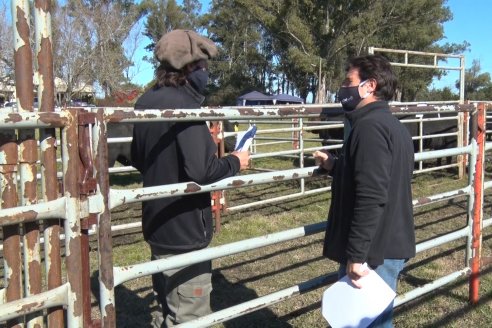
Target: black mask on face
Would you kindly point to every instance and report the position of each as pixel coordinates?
(349, 97)
(198, 80)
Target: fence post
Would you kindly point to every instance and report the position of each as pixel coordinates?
(105, 240)
(70, 163)
(11, 234)
(478, 135)
(47, 137)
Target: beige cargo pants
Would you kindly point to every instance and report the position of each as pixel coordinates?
(182, 294)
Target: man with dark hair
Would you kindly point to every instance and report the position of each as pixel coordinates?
(371, 213)
(173, 152)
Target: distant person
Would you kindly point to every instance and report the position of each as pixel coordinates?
(371, 213)
(174, 152)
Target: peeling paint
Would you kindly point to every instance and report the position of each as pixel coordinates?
(192, 187)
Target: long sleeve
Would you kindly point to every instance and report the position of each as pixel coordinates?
(371, 157)
(198, 152)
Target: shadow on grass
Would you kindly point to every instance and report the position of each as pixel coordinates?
(447, 291)
(226, 294)
(132, 310)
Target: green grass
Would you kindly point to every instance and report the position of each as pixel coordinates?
(242, 277)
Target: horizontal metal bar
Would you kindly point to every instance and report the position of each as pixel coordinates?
(442, 153)
(419, 291)
(442, 196)
(413, 52)
(123, 274)
(259, 303)
(277, 199)
(54, 297)
(436, 168)
(120, 196)
(54, 209)
(423, 246)
(426, 66)
(24, 119)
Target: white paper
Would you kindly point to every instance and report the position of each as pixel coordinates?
(244, 138)
(347, 306)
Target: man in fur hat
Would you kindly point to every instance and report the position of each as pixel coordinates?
(174, 152)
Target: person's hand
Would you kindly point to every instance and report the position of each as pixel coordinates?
(324, 159)
(355, 271)
(243, 158)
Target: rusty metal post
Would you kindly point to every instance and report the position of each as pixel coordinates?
(105, 242)
(11, 234)
(70, 163)
(87, 186)
(49, 182)
(28, 187)
(476, 243)
(22, 55)
(27, 153)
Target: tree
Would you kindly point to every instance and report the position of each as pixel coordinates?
(246, 59)
(72, 48)
(315, 38)
(6, 47)
(165, 16)
(89, 42)
(478, 86)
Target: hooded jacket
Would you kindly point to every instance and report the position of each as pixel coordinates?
(371, 212)
(175, 152)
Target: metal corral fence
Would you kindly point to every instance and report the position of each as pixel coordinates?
(59, 294)
(440, 127)
(86, 196)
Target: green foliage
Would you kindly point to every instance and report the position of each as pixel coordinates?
(477, 85)
(165, 16)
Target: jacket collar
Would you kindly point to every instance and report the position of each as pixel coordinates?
(357, 114)
(193, 93)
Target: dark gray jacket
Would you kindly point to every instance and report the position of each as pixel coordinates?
(371, 212)
(170, 152)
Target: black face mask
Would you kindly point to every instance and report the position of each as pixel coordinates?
(349, 97)
(198, 80)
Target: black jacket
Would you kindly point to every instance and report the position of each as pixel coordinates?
(171, 152)
(371, 212)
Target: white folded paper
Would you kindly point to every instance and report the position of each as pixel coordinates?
(243, 140)
(347, 306)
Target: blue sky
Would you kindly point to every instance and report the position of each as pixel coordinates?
(470, 23)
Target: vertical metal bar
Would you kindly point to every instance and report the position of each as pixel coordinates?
(22, 54)
(459, 143)
(301, 147)
(11, 234)
(31, 245)
(24, 94)
(421, 140)
(105, 246)
(70, 163)
(472, 159)
(462, 79)
(87, 186)
(476, 245)
(27, 155)
(49, 184)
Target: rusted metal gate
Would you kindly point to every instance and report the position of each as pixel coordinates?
(59, 294)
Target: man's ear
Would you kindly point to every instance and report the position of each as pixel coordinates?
(372, 84)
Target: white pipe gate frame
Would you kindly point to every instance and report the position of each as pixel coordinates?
(79, 203)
